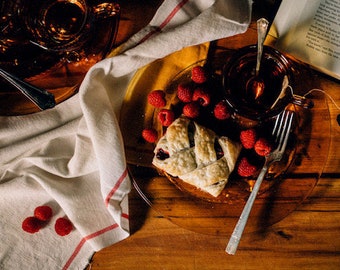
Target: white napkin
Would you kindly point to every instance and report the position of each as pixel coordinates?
(71, 158)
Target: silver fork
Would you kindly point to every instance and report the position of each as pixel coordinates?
(281, 132)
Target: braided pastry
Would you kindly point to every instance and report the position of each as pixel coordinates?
(196, 155)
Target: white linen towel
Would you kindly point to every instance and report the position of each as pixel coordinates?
(71, 157)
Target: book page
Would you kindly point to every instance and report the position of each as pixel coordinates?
(309, 30)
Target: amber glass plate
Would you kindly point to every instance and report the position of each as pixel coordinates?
(292, 179)
(58, 73)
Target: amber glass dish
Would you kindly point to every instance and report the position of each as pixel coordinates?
(280, 194)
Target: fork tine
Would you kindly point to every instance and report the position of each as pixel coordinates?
(282, 132)
(286, 131)
(278, 124)
(282, 128)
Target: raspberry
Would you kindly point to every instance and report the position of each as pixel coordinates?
(31, 224)
(263, 147)
(166, 117)
(248, 138)
(245, 169)
(43, 213)
(191, 110)
(198, 74)
(150, 135)
(184, 92)
(221, 110)
(156, 98)
(201, 96)
(63, 226)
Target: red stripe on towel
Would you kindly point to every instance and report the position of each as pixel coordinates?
(83, 241)
(124, 215)
(165, 22)
(116, 186)
(173, 13)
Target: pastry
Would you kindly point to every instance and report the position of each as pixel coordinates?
(196, 155)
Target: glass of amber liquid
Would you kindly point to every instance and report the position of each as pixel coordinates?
(256, 96)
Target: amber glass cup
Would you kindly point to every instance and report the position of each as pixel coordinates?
(257, 97)
(64, 25)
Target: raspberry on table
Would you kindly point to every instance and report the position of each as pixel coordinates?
(199, 74)
(248, 138)
(43, 213)
(32, 224)
(63, 226)
(221, 111)
(184, 92)
(166, 117)
(156, 98)
(263, 147)
(245, 168)
(150, 135)
(201, 96)
(191, 110)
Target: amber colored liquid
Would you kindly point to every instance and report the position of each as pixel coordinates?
(242, 85)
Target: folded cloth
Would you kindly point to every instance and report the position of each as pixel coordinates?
(71, 157)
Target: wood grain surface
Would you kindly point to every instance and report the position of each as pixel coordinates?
(308, 238)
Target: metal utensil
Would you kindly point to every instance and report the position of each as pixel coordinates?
(281, 132)
(40, 97)
(262, 26)
(255, 85)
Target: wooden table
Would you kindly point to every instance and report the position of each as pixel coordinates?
(308, 238)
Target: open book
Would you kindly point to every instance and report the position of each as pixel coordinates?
(309, 30)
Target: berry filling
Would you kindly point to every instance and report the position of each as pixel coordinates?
(191, 132)
(162, 154)
(219, 150)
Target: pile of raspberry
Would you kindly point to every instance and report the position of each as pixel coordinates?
(194, 97)
(255, 148)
